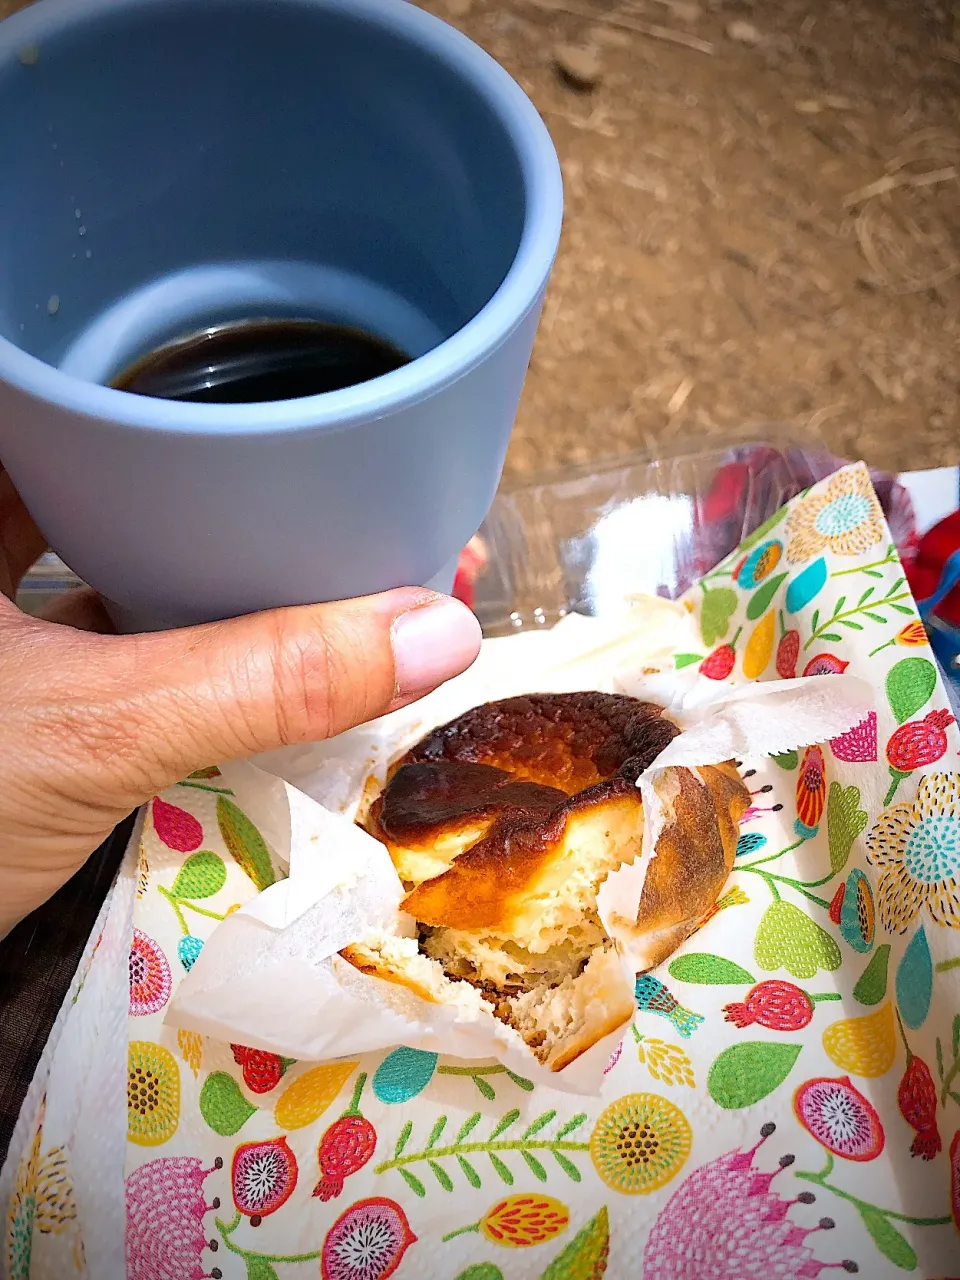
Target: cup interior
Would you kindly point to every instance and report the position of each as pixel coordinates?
(178, 163)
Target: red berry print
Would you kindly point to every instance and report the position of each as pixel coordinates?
(262, 1071)
(788, 651)
(917, 1100)
(825, 664)
(345, 1147)
(779, 1006)
(919, 742)
(719, 664)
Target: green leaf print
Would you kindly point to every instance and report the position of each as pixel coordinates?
(877, 1220)
(871, 986)
(413, 1182)
(948, 1072)
(682, 660)
(436, 1131)
(585, 1257)
(541, 1122)
(760, 600)
(245, 843)
(744, 1073)
(568, 1167)
(495, 1147)
(470, 1173)
(716, 609)
(789, 939)
(888, 1239)
(441, 1175)
(201, 876)
(845, 821)
(223, 1106)
(481, 1271)
(910, 686)
(872, 609)
(708, 970)
(480, 1077)
(259, 1268)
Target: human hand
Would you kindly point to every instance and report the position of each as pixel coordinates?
(94, 724)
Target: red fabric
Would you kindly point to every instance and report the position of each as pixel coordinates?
(923, 575)
(473, 561)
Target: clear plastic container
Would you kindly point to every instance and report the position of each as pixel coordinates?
(48, 579)
(585, 539)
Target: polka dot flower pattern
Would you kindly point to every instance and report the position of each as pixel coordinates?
(842, 516)
(760, 1076)
(916, 847)
(153, 1094)
(785, 1104)
(639, 1143)
(150, 980)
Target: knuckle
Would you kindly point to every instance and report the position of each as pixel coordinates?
(320, 678)
(303, 673)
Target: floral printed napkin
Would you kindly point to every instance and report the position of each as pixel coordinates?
(787, 1101)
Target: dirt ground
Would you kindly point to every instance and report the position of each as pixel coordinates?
(762, 223)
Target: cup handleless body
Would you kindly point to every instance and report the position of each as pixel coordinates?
(179, 162)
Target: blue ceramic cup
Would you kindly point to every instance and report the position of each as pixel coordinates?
(174, 163)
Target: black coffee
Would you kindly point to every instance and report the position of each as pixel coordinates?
(249, 361)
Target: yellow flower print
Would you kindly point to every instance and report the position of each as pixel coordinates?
(665, 1062)
(143, 871)
(56, 1206)
(191, 1046)
(843, 516)
(22, 1210)
(42, 1200)
(916, 846)
(153, 1093)
(734, 897)
(912, 636)
(517, 1222)
(639, 1143)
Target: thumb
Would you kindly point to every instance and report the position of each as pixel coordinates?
(219, 692)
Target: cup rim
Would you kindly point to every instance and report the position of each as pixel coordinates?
(438, 368)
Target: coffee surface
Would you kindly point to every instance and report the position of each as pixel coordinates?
(252, 361)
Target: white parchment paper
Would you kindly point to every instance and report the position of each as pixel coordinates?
(271, 976)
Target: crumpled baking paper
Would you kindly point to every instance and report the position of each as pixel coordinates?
(270, 977)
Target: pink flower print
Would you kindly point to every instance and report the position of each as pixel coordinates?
(165, 1211)
(150, 981)
(728, 1217)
